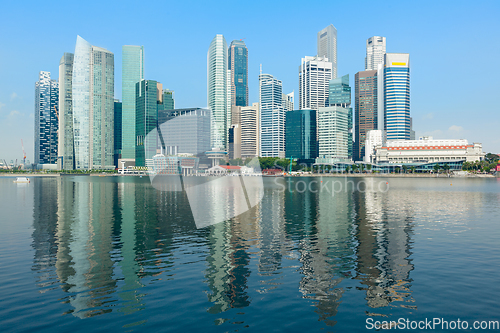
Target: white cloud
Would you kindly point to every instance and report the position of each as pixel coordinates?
(13, 96)
(429, 116)
(1, 105)
(13, 114)
(455, 128)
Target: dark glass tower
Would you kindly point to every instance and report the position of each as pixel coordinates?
(366, 108)
(146, 105)
(238, 64)
(300, 136)
(118, 132)
(340, 95)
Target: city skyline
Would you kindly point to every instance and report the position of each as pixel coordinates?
(441, 112)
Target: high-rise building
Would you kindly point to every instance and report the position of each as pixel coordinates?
(333, 134)
(93, 106)
(315, 74)
(148, 96)
(340, 96)
(366, 111)
(397, 95)
(66, 146)
(272, 117)
(132, 72)
(218, 91)
(118, 132)
(327, 46)
(238, 65)
(300, 136)
(250, 131)
(375, 50)
(46, 122)
(288, 101)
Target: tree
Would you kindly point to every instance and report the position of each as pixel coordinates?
(368, 167)
(354, 168)
(412, 169)
(405, 168)
(362, 168)
(436, 168)
(347, 169)
(446, 167)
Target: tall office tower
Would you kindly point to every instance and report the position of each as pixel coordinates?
(366, 116)
(66, 147)
(397, 95)
(272, 117)
(314, 75)
(333, 136)
(340, 96)
(93, 106)
(218, 90)
(148, 94)
(288, 100)
(132, 72)
(327, 46)
(300, 136)
(46, 122)
(168, 99)
(250, 131)
(118, 132)
(238, 65)
(375, 50)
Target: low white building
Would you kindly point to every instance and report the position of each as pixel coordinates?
(374, 139)
(427, 150)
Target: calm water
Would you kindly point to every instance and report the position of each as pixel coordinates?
(87, 254)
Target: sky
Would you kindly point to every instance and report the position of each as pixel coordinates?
(454, 83)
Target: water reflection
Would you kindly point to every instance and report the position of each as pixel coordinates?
(104, 241)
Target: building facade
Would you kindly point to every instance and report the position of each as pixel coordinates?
(333, 138)
(327, 46)
(93, 106)
(397, 96)
(168, 99)
(132, 72)
(288, 101)
(300, 136)
(375, 51)
(147, 97)
(218, 91)
(46, 119)
(272, 117)
(365, 106)
(238, 65)
(427, 150)
(340, 96)
(250, 131)
(66, 145)
(374, 139)
(315, 74)
(118, 132)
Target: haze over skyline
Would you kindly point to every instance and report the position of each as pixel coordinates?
(452, 57)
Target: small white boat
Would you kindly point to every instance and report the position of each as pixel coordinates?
(22, 180)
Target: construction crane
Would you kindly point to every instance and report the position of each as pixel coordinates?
(57, 114)
(24, 155)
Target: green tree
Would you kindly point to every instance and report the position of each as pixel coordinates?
(412, 168)
(362, 168)
(354, 168)
(436, 168)
(347, 169)
(368, 167)
(405, 168)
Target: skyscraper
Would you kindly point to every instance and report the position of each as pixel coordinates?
(300, 136)
(118, 132)
(272, 117)
(397, 95)
(93, 106)
(148, 94)
(66, 146)
(132, 72)
(238, 65)
(375, 50)
(168, 99)
(218, 91)
(288, 101)
(333, 134)
(340, 96)
(250, 130)
(365, 100)
(46, 119)
(327, 46)
(315, 74)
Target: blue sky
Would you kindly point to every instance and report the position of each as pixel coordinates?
(452, 45)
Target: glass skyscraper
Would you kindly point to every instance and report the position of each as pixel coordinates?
(300, 136)
(272, 117)
(340, 96)
(66, 146)
(46, 119)
(132, 72)
(168, 100)
(146, 101)
(118, 132)
(93, 106)
(218, 93)
(397, 95)
(238, 65)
